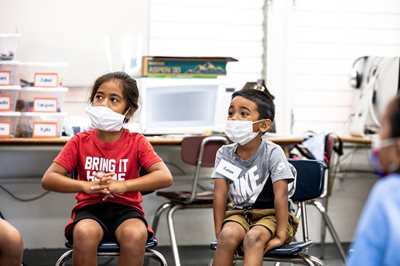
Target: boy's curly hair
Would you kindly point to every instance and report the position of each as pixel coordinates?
(258, 93)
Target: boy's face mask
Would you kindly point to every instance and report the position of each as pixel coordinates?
(240, 132)
(105, 119)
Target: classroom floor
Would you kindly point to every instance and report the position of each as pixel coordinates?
(190, 256)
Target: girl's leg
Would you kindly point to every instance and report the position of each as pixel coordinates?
(253, 245)
(87, 235)
(11, 245)
(229, 240)
(132, 238)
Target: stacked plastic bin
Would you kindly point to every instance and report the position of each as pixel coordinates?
(9, 85)
(40, 100)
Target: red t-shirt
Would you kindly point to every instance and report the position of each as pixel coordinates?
(125, 157)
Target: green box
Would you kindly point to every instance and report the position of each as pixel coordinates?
(188, 67)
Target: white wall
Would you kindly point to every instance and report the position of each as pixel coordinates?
(312, 45)
(92, 36)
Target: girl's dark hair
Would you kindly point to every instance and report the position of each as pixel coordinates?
(260, 95)
(127, 83)
(394, 116)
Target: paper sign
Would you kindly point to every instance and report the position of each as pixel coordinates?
(228, 170)
(44, 129)
(5, 77)
(46, 80)
(5, 103)
(45, 104)
(5, 129)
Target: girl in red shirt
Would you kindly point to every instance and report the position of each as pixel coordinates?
(107, 160)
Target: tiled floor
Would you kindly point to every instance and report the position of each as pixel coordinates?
(190, 256)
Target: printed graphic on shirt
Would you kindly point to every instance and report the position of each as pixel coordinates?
(247, 187)
(99, 164)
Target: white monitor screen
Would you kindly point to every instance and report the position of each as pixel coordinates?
(179, 109)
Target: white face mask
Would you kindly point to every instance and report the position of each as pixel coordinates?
(104, 118)
(240, 132)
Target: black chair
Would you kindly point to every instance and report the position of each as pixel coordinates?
(309, 185)
(333, 147)
(198, 151)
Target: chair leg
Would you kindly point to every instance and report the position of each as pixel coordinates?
(331, 229)
(311, 260)
(171, 228)
(323, 227)
(64, 257)
(157, 256)
(157, 215)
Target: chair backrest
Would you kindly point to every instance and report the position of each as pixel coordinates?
(200, 151)
(310, 179)
(195, 149)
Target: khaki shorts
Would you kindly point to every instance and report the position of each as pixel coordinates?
(263, 217)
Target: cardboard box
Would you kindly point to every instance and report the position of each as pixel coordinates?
(196, 67)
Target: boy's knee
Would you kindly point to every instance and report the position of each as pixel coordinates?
(254, 238)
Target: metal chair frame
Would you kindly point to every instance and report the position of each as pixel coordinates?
(321, 204)
(309, 185)
(202, 150)
(111, 249)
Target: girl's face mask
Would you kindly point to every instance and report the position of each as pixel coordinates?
(240, 132)
(105, 119)
(377, 146)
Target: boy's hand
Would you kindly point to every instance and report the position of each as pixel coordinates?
(274, 243)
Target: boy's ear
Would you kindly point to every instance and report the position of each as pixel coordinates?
(265, 125)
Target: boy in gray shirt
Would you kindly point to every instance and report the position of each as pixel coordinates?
(258, 179)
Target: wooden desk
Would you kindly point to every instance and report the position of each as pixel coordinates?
(356, 140)
(62, 141)
(153, 140)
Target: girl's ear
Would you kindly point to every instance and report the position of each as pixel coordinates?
(265, 125)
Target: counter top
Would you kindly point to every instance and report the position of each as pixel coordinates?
(161, 140)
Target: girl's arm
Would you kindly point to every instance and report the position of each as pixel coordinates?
(220, 203)
(56, 179)
(281, 212)
(158, 177)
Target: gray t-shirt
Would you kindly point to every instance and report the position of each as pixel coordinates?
(250, 181)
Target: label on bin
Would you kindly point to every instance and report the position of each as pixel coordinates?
(45, 104)
(46, 80)
(5, 103)
(5, 129)
(5, 77)
(44, 129)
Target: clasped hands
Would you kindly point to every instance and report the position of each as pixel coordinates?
(106, 185)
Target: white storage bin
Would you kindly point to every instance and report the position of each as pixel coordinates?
(9, 74)
(40, 125)
(8, 124)
(37, 74)
(36, 99)
(8, 98)
(8, 46)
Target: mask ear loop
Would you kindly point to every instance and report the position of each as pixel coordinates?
(125, 119)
